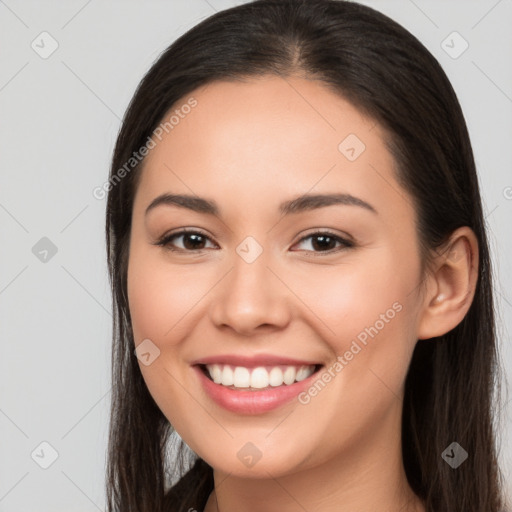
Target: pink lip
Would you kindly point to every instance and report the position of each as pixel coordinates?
(251, 402)
(253, 361)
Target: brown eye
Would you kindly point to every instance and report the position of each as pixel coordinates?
(190, 241)
(326, 242)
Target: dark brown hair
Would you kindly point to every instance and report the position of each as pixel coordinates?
(452, 384)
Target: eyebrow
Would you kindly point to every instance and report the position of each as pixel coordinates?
(293, 206)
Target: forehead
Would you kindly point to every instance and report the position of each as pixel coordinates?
(259, 141)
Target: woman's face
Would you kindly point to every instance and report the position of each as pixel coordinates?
(275, 278)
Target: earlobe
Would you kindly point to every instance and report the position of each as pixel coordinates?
(452, 285)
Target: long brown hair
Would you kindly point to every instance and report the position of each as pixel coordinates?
(452, 386)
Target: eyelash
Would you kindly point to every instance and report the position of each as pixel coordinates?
(166, 239)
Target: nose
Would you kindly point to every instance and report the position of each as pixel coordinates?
(251, 298)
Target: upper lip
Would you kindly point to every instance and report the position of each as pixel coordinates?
(253, 361)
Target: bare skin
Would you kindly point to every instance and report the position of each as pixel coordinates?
(249, 146)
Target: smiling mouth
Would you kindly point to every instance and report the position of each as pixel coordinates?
(257, 378)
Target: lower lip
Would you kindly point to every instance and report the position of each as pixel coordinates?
(252, 402)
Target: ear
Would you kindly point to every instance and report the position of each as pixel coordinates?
(451, 287)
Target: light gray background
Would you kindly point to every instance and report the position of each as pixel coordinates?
(59, 120)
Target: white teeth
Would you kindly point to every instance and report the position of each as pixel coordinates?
(226, 376)
(289, 375)
(216, 373)
(241, 377)
(259, 377)
(302, 374)
(275, 377)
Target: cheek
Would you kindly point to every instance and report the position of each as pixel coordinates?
(356, 294)
(160, 296)
(366, 314)
(369, 317)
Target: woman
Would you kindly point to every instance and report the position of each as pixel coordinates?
(300, 274)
